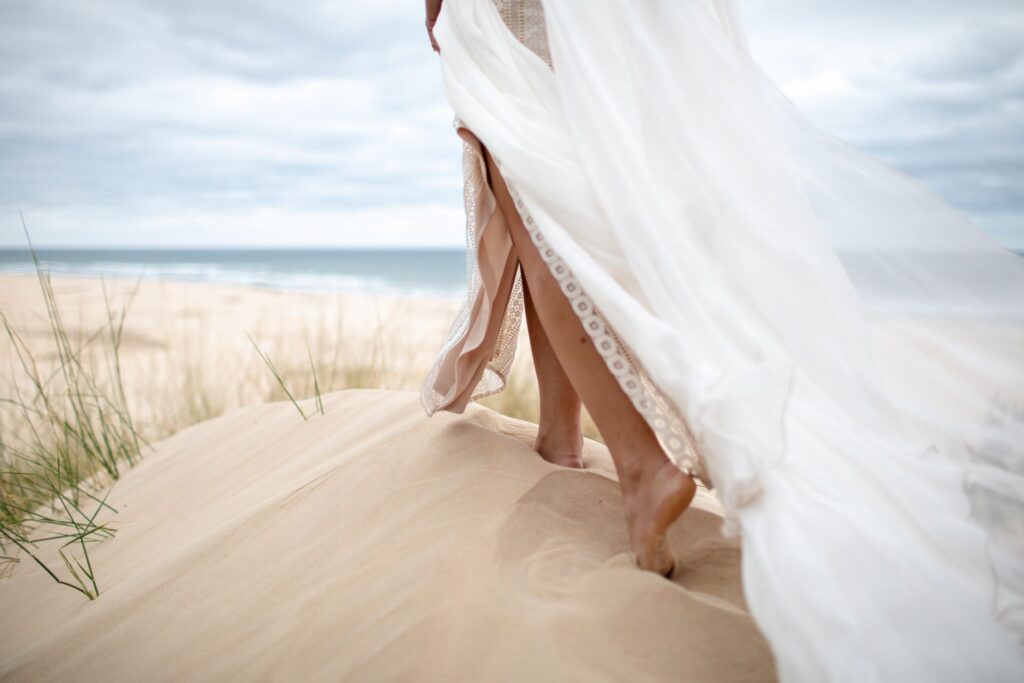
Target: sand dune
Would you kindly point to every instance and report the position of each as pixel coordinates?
(376, 544)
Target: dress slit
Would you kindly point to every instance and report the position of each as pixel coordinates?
(477, 355)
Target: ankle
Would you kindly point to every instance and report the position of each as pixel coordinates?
(564, 450)
(564, 440)
(636, 472)
(560, 431)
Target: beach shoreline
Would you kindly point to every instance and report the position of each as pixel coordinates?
(186, 347)
(428, 273)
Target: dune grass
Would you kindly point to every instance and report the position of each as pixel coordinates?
(83, 404)
(76, 434)
(276, 374)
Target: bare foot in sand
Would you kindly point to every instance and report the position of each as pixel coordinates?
(560, 447)
(654, 498)
(570, 371)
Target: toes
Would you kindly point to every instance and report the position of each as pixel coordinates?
(657, 556)
(662, 566)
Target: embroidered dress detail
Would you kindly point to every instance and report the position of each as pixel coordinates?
(672, 433)
(525, 19)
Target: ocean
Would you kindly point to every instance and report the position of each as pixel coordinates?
(442, 272)
(405, 272)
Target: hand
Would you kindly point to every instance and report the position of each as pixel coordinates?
(430, 33)
(433, 9)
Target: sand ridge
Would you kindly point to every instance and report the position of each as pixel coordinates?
(374, 543)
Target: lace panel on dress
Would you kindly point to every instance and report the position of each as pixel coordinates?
(663, 419)
(525, 19)
(495, 376)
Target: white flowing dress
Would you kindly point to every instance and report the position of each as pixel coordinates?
(835, 350)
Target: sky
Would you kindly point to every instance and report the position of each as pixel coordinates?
(323, 122)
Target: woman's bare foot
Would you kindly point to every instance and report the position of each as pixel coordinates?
(654, 498)
(560, 447)
(569, 368)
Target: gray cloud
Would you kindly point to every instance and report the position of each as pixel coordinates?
(935, 88)
(255, 121)
(327, 117)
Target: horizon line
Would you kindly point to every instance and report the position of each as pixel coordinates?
(214, 247)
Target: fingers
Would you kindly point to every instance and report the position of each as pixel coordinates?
(433, 41)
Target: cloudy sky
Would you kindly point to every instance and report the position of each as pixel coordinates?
(323, 122)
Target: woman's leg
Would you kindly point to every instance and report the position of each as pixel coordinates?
(654, 491)
(559, 436)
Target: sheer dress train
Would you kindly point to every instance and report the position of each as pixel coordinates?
(477, 355)
(818, 337)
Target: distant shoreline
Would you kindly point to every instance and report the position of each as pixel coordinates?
(10, 278)
(416, 273)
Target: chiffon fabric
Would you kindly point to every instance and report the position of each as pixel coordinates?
(477, 355)
(834, 349)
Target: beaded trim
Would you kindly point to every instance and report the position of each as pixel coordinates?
(496, 372)
(671, 431)
(525, 19)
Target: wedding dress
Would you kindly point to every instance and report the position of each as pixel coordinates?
(833, 349)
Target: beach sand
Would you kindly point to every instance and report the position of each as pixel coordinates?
(185, 348)
(369, 543)
(373, 543)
